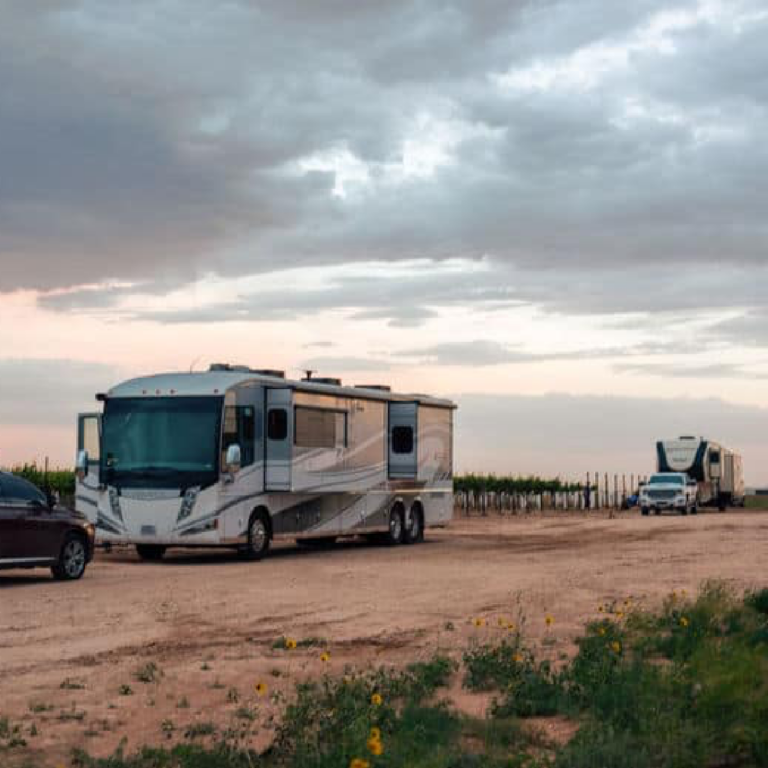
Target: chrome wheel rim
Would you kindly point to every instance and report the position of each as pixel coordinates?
(395, 526)
(414, 527)
(258, 535)
(73, 558)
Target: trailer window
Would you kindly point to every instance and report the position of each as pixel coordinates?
(277, 424)
(402, 440)
(239, 429)
(319, 428)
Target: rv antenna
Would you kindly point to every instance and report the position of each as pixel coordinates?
(192, 364)
(308, 372)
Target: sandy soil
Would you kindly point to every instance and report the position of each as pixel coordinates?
(208, 621)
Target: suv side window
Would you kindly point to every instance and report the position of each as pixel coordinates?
(16, 490)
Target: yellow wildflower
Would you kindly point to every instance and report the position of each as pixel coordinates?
(616, 646)
(376, 700)
(502, 621)
(375, 747)
(549, 621)
(619, 614)
(358, 762)
(511, 627)
(479, 622)
(601, 631)
(260, 688)
(683, 621)
(325, 657)
(518, 658)
(601, 608)
(375, 733)
(290, 643)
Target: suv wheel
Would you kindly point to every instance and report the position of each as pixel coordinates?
(72, 560)
(150, 551)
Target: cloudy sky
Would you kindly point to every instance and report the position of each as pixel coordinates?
(552, 210)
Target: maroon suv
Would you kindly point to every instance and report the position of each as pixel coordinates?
(34, 531)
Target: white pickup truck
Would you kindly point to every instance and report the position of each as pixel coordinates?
(669, 490)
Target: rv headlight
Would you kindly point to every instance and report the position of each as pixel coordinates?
(187, 503)
(114, 502)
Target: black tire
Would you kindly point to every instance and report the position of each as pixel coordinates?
(695, 509)
(656, 511)
(319, 543)
(684, 511)
(644, 511)
(259, 537)
(150, 551)
(396, 533)
(413, 532)
(72, 559)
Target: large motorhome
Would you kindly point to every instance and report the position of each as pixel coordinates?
(716, 469)
(240, 457)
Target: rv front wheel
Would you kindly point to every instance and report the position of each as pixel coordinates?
(258, 537)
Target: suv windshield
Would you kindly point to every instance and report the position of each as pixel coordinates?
(170, 442)
(667, 479)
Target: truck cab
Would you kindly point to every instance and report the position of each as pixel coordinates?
(674, 491)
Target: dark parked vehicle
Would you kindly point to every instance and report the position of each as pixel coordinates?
(35, 531)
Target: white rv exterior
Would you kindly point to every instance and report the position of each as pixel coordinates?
(237, 457)
(717, 470)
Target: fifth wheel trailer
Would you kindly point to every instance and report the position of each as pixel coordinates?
(717, 470)
(241, 457)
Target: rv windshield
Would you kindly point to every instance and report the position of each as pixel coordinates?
(167, 442)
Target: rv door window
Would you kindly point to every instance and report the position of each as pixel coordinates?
(319, 428)
(239, 429)
(277, 424)
(402, 440)
(91, 437)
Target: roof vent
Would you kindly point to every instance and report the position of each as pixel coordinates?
(273, 372)
(379, 387)
(324, 380)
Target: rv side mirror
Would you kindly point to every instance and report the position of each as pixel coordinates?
(692, 483)
(232, 459)
(81, 465)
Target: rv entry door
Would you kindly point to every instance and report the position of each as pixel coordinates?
(403, 419)
(278, 438)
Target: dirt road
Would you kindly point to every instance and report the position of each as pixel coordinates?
(70, 654)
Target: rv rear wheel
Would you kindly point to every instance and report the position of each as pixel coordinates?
(150, 551)
(258, 537)
(414, 527)
(396, 526)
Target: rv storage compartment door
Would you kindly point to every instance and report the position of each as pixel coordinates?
(402, 440)
(278, 439)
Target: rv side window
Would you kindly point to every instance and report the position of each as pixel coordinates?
(402, 440)
(319, 428)
(240, 429)
(277, 424)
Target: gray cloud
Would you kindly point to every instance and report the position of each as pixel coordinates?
(127, 154)
(688, 371)
(570, 435)
(44, 392)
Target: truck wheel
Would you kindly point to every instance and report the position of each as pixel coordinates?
(695, 509)
(150, 551)
(644, 511)
(657, 511)
(259, 537)
(72, 560)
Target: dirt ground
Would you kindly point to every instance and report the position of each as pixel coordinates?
(70, 653)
